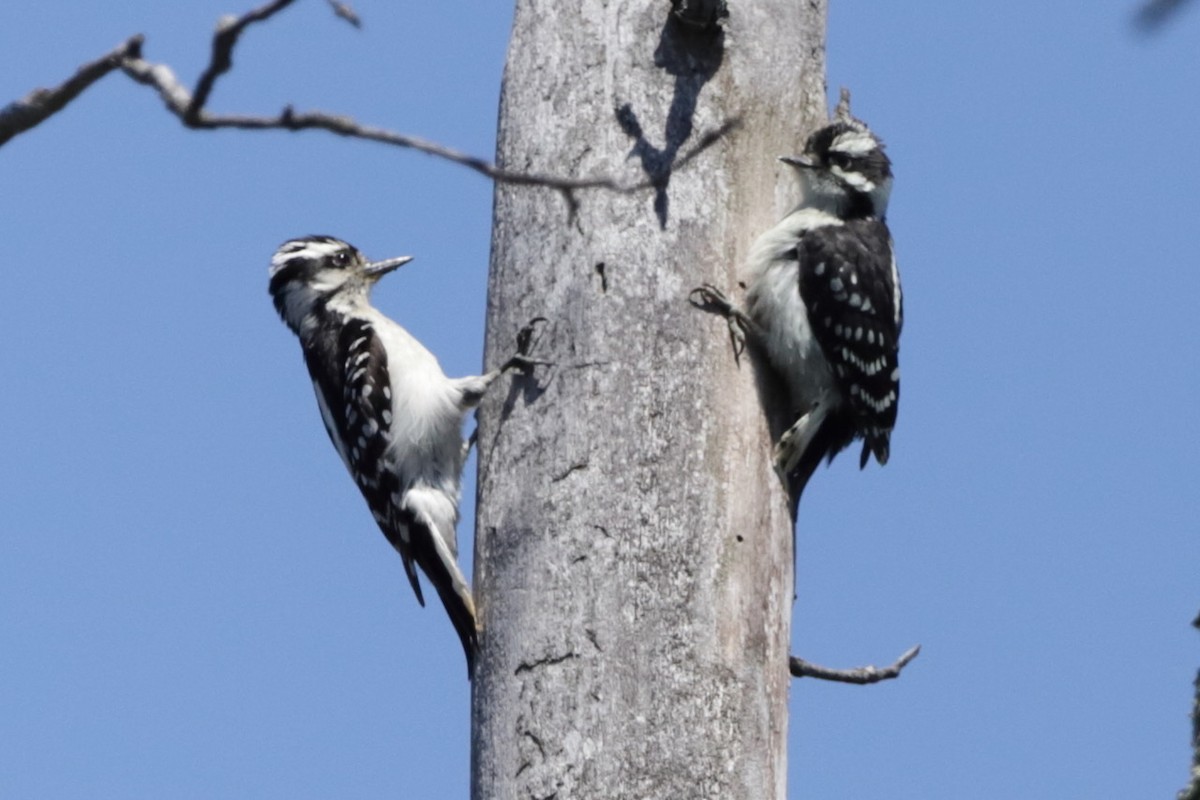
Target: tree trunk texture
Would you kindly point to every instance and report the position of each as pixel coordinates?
(633, 568)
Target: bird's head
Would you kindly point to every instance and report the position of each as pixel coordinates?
(844, 167)
(309, 272)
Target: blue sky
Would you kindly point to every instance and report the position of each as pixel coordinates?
(194, 602)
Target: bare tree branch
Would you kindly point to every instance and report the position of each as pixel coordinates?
(860, 675)
(229, 30)
(190, 108)
(179, 102)
(21, 115)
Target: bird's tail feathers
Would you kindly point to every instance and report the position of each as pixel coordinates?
(441, 567)
(410, 569)
(827, 436)
(876, 442)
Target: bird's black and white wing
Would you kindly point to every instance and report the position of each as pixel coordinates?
(391, 413)
(356, 408)
(851, 290)
(357, 411)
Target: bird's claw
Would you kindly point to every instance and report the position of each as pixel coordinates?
(710, 298)
(525, 363)
(737, 335)
(527, 339)
(525, 336)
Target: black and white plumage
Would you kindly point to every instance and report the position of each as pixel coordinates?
(824, 299)
(824, 290)
(391, 413)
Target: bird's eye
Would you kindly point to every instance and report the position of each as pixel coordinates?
(341, 258)
(839, 159)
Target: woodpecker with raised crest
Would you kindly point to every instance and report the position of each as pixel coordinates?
(824, 301)
(391, 413)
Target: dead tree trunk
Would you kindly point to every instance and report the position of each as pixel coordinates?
(633, 546)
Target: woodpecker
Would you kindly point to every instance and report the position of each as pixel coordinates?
(391, 413)
(824, 299)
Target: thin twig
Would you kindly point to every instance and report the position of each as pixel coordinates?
(861, 675)
(179, 101)
(21, 115)
(189, 107)
(229, 30)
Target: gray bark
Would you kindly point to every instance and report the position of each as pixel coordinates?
(633, 545)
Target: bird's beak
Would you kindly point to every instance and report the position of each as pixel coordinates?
(377, 269)
(799, 162)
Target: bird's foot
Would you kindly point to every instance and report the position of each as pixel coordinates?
(527, 339)
(710, 298)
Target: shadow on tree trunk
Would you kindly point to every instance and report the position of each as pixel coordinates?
(693, 56)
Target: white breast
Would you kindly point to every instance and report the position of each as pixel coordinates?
(427, 451)
(774, 303)
(426, 419)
